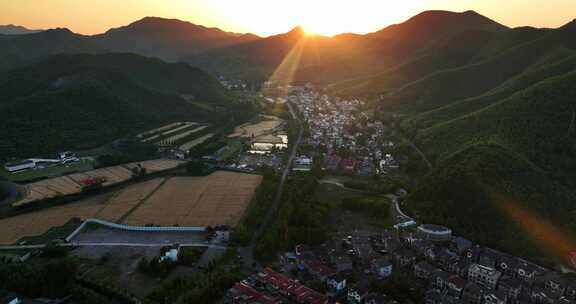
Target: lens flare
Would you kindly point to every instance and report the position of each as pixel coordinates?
(552, 240)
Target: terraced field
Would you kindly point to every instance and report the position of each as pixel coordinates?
(191, 144)
(71, 184)
(159, 130)
(182, 133)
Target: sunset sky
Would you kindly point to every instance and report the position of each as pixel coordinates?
(267, 17)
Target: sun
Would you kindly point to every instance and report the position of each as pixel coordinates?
(316, 29)
(319, 26)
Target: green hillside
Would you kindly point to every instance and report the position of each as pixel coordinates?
(462, 49)
(522, 147)
(440, 88)
(151, 73)
(83, 101)
(462, 107)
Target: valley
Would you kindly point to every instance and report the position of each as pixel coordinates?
(431, 161)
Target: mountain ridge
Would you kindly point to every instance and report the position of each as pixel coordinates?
(11, 29)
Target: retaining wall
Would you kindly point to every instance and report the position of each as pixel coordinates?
(133, 228)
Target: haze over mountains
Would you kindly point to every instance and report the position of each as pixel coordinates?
(253, 57)
(167, 38)
(12, 29)
(492, 107)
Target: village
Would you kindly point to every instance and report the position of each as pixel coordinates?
(399, 262)
(406, 263)
(432, 265)
(348, 140)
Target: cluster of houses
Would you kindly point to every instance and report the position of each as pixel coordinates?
(271, 287)
(456, 271)
(447, 269)
(351, 141)
(331, 266)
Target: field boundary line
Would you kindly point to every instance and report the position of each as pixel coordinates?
(142, 201)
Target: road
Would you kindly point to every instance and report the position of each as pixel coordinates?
(247, 253)
(397, 209)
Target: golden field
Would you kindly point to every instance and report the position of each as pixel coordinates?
(220, 198)
(71, 184)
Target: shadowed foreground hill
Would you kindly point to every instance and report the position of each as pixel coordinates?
(82, 101)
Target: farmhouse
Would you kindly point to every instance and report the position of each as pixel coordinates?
(302, 163)
(483, 275)
(33, 163)
(20, 165)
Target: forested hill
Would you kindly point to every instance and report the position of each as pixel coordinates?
(18, 50)
(82, 101)
(151, 73)
(501, 133)
(523, 147)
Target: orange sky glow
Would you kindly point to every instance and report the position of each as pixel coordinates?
(268, 17)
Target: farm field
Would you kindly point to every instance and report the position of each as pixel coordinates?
(181, 135)
(180, 131)
(109, 207)
(160, 129)
(193, 143)
(266, 125)
(185, 128)
(71, 184)
(220, 198)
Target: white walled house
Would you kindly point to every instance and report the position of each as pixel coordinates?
(336, 283)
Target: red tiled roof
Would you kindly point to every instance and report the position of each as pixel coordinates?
(349, 163)
(297, 290)
(252, 294)
(458, 281)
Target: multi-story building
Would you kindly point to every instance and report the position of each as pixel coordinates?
(484, 276)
